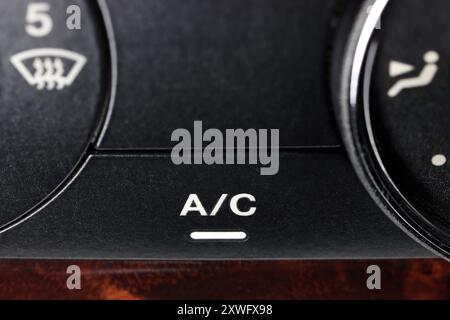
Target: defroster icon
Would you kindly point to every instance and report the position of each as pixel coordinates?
(49, 68)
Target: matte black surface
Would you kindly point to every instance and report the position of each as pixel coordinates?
(230, 63)
(128, 207)
(44, 133)
(415, 126)
(391, 139)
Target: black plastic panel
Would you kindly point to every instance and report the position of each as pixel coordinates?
(229, 63)
(45, 128)
(129, 207)
(260, 64)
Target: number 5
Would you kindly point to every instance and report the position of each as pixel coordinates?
(39, 22)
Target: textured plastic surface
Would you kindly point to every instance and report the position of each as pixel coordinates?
(230, 63)
(129, 207)
(44, 132)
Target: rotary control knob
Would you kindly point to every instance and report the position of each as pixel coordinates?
(393, 104)
(52, 82)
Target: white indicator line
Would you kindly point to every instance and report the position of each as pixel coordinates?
(218, 235)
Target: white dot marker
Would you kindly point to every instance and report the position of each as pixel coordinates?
(439, 160)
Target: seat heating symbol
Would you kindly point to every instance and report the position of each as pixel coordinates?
(49, 68)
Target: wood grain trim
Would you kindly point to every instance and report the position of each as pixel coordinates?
(401, 279)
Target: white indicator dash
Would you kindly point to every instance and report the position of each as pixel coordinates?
(218, 235)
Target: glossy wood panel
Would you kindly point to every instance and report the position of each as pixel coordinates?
(401, 279)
